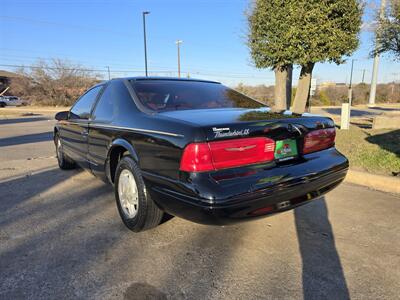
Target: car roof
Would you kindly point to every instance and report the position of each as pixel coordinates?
(142, 78)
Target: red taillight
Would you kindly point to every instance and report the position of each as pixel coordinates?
(212, 156)
(196, 158)
(319, 140)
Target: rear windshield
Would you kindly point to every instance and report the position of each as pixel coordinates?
(166, 95)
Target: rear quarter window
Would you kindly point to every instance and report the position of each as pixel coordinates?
(114, 103)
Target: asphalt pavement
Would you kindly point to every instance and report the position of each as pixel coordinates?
(358, 111)
(61, 237)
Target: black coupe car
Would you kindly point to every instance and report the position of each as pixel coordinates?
(198, 150)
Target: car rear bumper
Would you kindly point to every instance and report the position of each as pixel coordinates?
(281, 195)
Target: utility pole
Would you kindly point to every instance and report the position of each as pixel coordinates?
(351, 83)
(363, 76)
(145, 41)
(346, 107)
(374, 79)
(394, 85)
(395, 77)
(109, 75)
(178, 43)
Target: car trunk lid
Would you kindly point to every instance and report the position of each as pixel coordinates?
(228, 123)
(234, 136)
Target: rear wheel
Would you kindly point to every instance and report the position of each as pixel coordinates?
(135, 206)
(64, 162)
(2, 104)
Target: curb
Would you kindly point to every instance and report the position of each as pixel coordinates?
(376, 182)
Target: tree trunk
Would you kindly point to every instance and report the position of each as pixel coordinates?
(303, 89)
(283, 86)
(289, 86)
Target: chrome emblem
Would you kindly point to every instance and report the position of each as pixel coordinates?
(215, 129)
(241, 149)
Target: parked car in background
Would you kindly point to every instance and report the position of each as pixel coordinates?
(11, 101)
(198, 150)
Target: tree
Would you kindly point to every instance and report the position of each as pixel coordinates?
(269, 28)
(330, 31)
(303, 32)
(56, 83)
(388, 31)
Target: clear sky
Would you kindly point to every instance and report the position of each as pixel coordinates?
(102, 33)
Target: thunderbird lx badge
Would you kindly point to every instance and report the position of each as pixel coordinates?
(226, 132)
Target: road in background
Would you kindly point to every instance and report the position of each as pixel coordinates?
(358, 111)
(61, 237)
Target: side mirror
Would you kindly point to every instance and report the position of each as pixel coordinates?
(62, 115)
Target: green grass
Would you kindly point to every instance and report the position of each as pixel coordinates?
(374, 151)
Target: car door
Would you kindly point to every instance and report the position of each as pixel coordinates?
(75, 131)
(113, 108)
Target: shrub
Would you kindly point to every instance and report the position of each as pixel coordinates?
(59, 83)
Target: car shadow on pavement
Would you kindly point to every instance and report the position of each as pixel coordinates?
(22, 120)
(322, 271)
(26, 139)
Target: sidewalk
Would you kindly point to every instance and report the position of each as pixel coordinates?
(373, 181)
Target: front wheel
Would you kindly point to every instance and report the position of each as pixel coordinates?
(135, 206)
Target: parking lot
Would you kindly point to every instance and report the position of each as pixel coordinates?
(61, 237)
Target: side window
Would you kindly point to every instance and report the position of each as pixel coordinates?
(113, 101)
(82, 108)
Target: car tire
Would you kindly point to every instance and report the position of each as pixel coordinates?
(64, 162)
(135, 206)
(2, 104)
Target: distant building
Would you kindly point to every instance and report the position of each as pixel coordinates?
(330, 84)
(5, 79)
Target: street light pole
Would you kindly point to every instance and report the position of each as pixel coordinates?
(351, 83)
(346, 107)
(178, 43)
(374, 80)
(108, 70)
(145, 41)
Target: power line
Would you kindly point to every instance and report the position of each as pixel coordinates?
(94, 70)
(34, 59)
(167, 68)
(71, 69)
(53, 54)
(171, 71)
